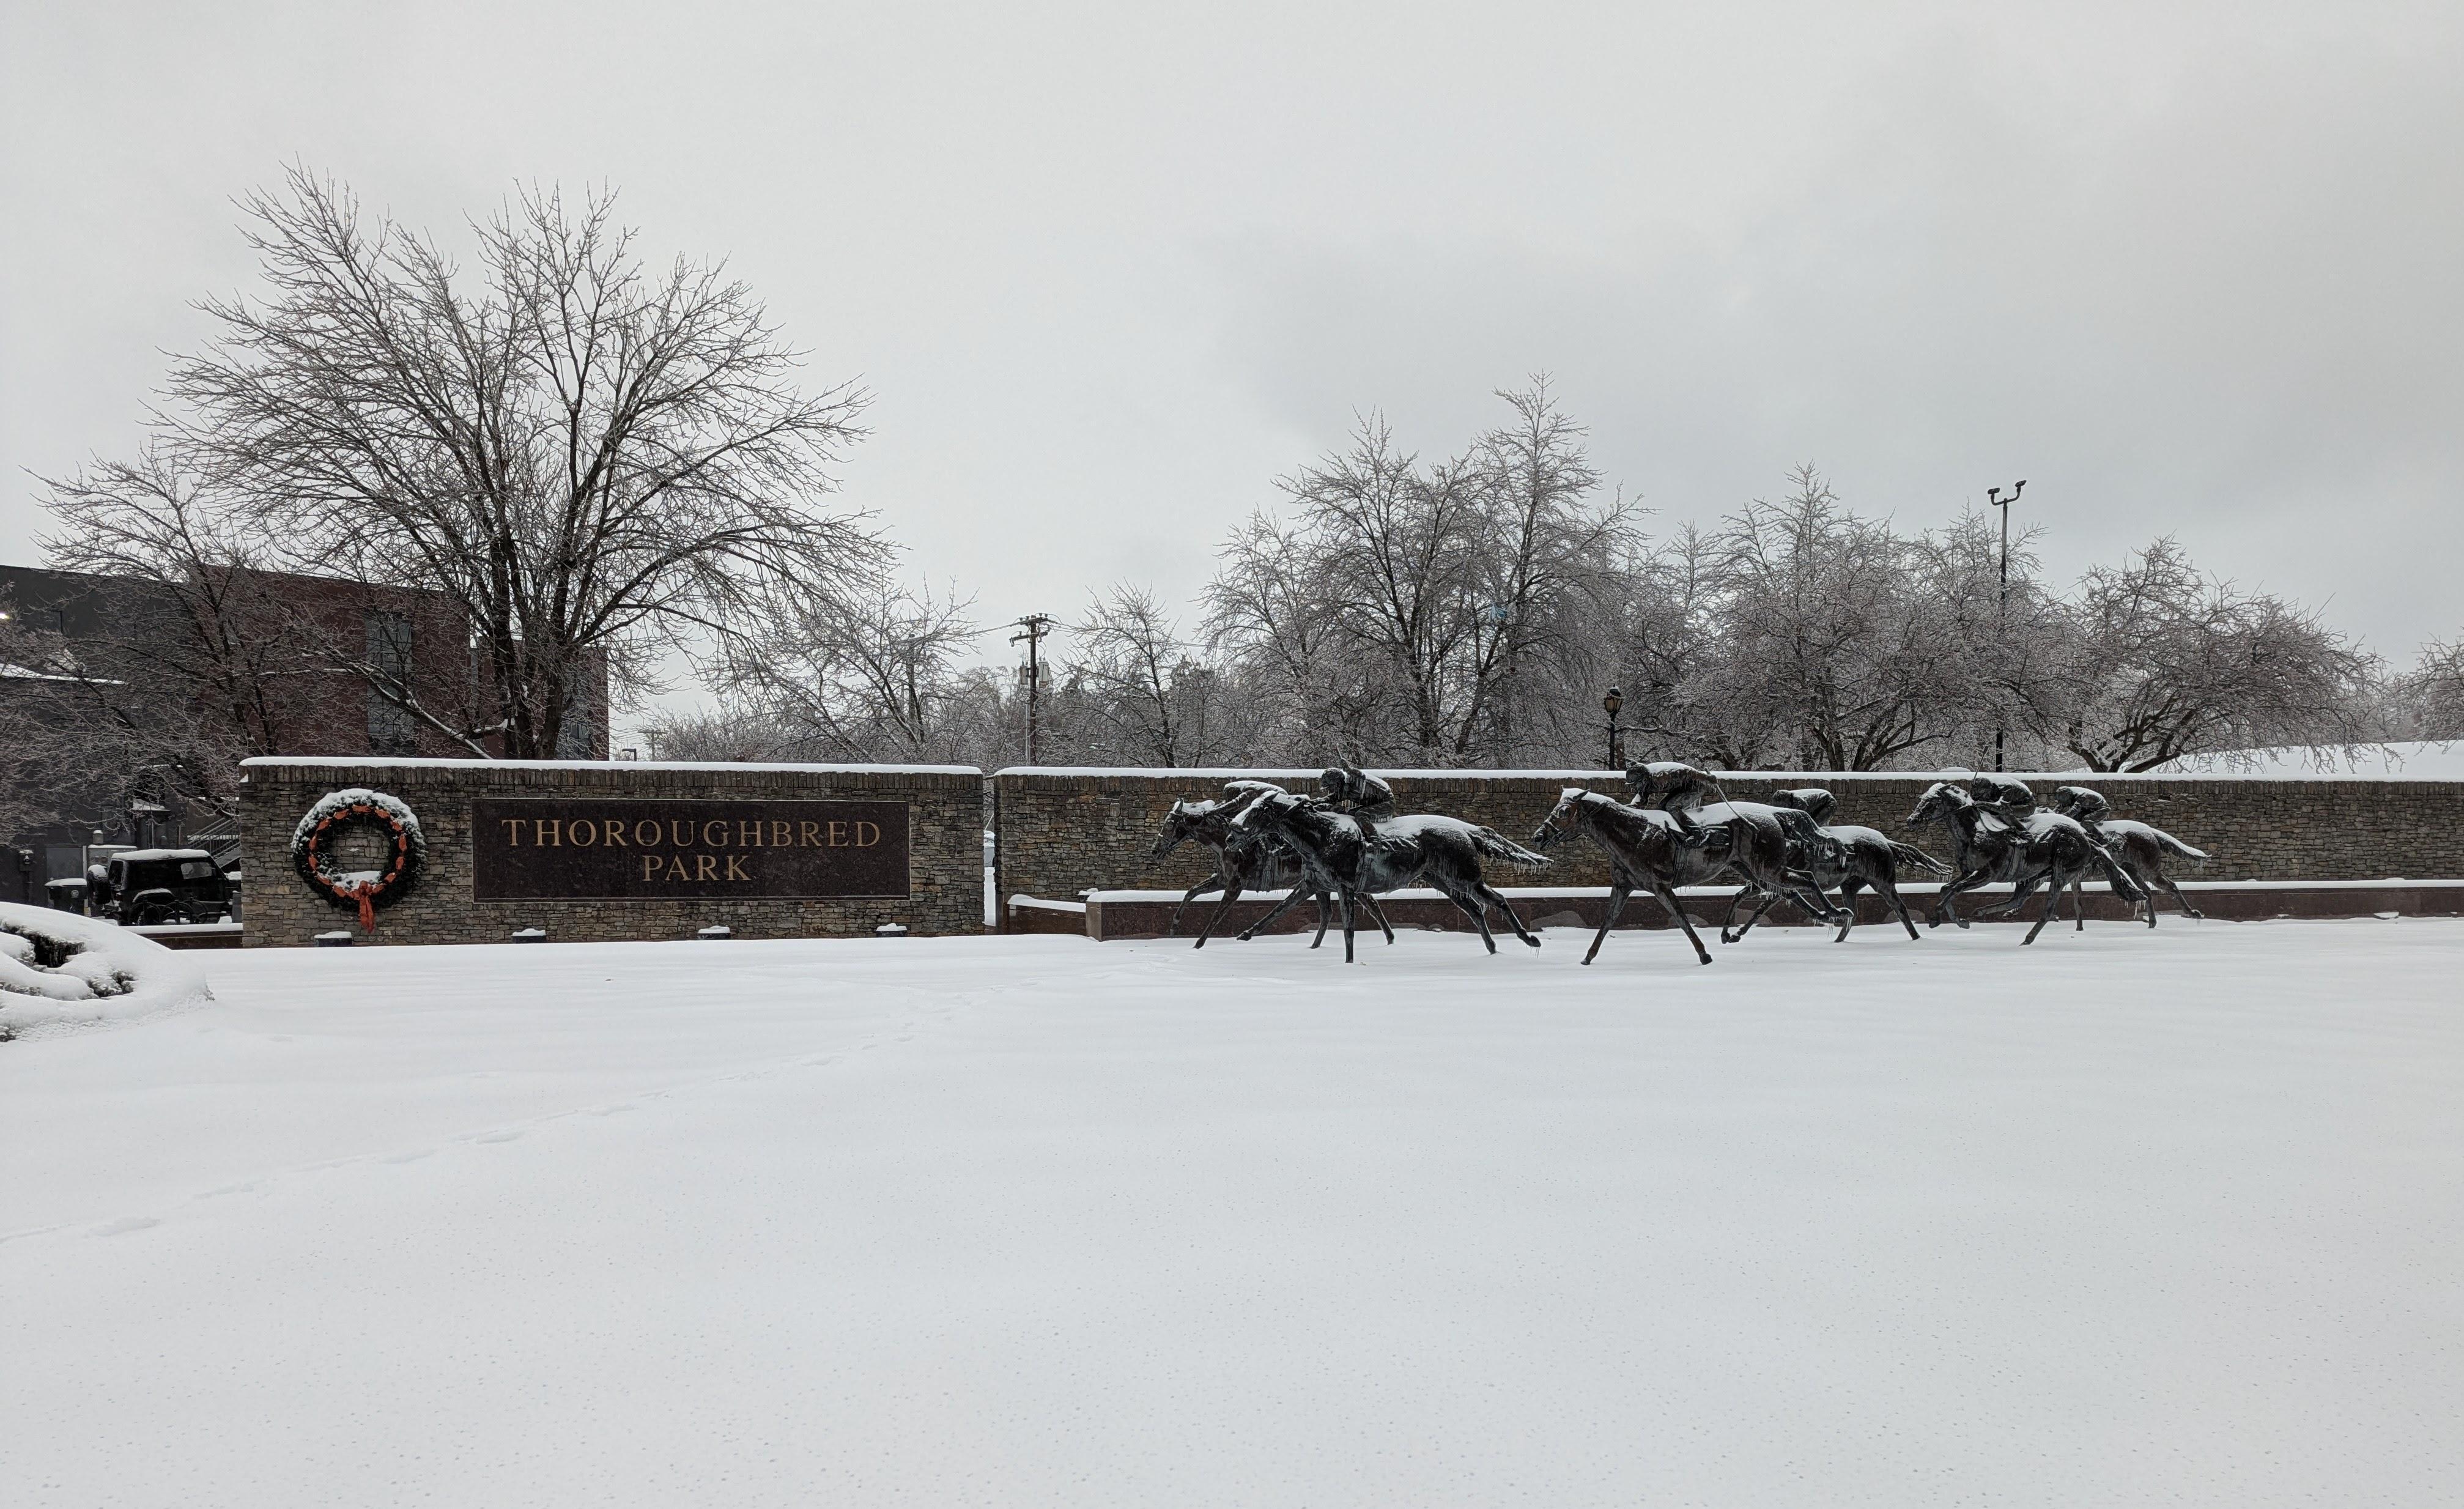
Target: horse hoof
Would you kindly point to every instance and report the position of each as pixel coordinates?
(1704, 960)
(1533, 942)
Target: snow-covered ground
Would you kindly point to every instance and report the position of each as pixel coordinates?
(2134, 1218)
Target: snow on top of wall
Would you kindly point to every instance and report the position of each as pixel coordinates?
(149, 855)
(387, 762)
(112, 975)
(2419, 760)
(2433, 761)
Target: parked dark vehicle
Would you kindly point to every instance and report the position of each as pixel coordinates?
(148, 887)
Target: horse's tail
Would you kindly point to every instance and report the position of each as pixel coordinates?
(1911, 854)
(2175, 846)
(1490, 844)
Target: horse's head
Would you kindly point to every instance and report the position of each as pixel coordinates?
(1179, 826)
(1271, 807)
(1564, 820)
(1940, 801)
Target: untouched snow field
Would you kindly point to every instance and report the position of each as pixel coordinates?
(2168, 1217)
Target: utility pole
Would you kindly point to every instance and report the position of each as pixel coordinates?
(2002, 608)
(1033, 628)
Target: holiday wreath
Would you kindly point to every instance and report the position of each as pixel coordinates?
(313, 841)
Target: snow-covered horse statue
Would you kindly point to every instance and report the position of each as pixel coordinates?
(1245, 859)
(1851, 859)
(2139, 848)
(1359, 860)
(1988, 846)
(1649, 851)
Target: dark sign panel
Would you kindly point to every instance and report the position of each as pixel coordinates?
(558, 849)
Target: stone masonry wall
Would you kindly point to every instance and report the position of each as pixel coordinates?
(1065, 832)
(945, 850)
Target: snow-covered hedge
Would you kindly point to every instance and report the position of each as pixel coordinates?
(59, 971)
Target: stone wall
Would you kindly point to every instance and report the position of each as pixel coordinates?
(945, 850)
(1065, 832)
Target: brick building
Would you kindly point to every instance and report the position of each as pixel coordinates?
(118, 629)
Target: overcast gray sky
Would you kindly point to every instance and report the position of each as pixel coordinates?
(2189, 269)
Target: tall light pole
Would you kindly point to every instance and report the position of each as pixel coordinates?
(1616, 736)
(1033, 628)
(2002, 606)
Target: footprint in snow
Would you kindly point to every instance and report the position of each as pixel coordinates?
(497, 1136)
(126, 1223)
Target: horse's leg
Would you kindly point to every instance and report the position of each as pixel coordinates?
(1889, 891)
(2025, 888)
(1941, 903)
(1728, 918)
(2079, 903)
(1343, 898)
(1321, 920)
(1668, 898)
(1497, 898)
(1280, 907)
(2053, 902)
(1376, 914)
(2179, 899)
(1618, 891)
(1213, 882)
(1472, 907)
(1810, 896)
(1231, 894)
(1770, 900)
(1848, 890)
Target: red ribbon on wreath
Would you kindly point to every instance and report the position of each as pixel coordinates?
(365, 893)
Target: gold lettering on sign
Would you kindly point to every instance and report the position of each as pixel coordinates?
(719, 823)
(614, 832)
(547, 831)
(838, 833)
(652, 864)
(861, 828)
(808, 834)
(780, 829)
(679, 833)
(734, 873)
(748, 831)
(586, 832)
(705, 867)
(512, 832)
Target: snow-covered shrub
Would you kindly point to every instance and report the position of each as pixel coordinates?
(59, 971)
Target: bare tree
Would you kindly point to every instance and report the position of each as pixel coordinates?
(1140, 678)
(1408, 604)
(2430, 698)
(2165, 661)
(1544, 570)
(846, 674)
(177, 679)
(594, 458)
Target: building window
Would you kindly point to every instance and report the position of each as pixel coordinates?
(392, 730)
(577, 734)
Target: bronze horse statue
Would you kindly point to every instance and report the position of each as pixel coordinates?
(2139, 848)
(1988, 846)
(1650, 849)
(1358, 860)
(1244, 859)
